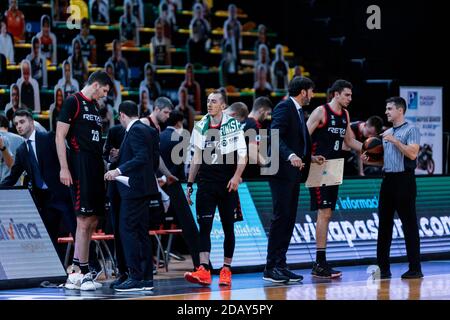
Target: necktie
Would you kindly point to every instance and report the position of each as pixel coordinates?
(303, 125)
(39, 182)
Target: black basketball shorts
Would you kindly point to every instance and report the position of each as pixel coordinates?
(88, 189)
(323, 197)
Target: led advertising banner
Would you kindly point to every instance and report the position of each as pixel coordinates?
(26, 251)
(424, 109)
(354, 228)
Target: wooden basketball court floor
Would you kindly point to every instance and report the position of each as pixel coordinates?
(357, 283)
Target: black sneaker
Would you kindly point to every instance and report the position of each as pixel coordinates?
(148, 285)
(334, 273)
(412, 274)
(275, 275)
(121, 278)
(321, 271)
(130, 285)
(292, 276)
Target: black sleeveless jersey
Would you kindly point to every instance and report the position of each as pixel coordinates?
(85, 124)
(328, 137)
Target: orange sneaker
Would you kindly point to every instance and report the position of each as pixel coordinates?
(225, 277)
(201, 276)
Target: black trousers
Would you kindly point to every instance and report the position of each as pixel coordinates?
(136, 242)
(114, 211)
(398, 194)
(285, 200)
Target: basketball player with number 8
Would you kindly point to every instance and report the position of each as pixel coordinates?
(329, 127)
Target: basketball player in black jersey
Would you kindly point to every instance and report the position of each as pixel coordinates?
(82, 167)
(218, 179)
(329, 127)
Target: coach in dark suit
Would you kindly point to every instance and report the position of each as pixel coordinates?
(38, 158)
(289, 125)
(138, 160)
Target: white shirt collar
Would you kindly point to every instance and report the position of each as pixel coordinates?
(297, 105)
(32, 136)
(130, 124)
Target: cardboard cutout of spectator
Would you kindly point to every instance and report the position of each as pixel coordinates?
(279, 70)
(262, 39)
(6, 43)
(48, 40)
(160, 47)
(59, 11)
(15, 20)
(38, 63)
(68, 83)
(99, 11)
(119, 63)
(55, 107)
(193, 88)
(129, 26)
(187, 110)
(263, 59)
(28, 88)
(79, 63)
(232, 29)
(166, 19)
(228, 68)
(199, 40)
(262, 86)
(144, 107)
(13, 105)
(114, 97)
(153, 86)
(87, 42)
(138, 11)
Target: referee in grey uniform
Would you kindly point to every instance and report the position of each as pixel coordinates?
(398, 189)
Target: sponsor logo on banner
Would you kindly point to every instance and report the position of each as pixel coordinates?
(413, 99)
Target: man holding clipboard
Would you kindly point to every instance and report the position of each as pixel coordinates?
(329, 127)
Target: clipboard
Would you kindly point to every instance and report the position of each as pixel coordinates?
(330, 173)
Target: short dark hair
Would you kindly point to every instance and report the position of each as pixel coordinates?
(101, 77)
(376, 122)
(262, 103)
(129, 108)
(4, 123)
(222, 94)
(85, 21)
(23, 113)
(163, 102)
(175, 117)
(240, 108)
(298, 84)
(339, 85)
(223, 90)
(399, 103)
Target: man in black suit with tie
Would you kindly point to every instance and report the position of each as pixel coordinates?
(38, 158)
(289, 125)
(138, 160)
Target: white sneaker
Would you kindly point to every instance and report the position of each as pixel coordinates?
(95, 275)
(88, 283)
(74, 281)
